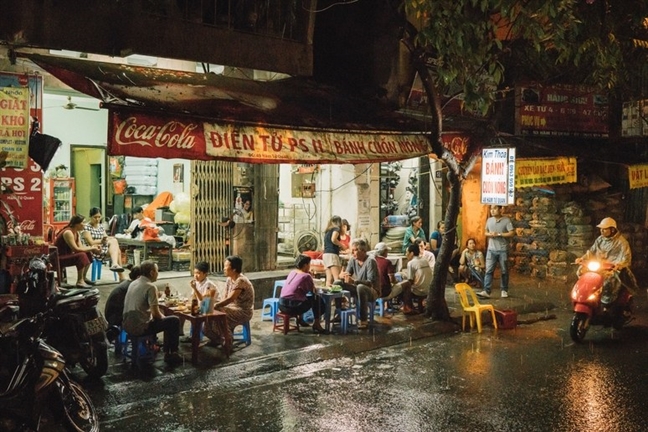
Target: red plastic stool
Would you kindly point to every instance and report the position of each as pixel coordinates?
(282, 322)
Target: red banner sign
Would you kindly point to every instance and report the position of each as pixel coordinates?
(21, 189)
(560, 110)
(147, 135)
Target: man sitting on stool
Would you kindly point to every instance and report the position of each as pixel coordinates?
(142, 314)
(419, 278)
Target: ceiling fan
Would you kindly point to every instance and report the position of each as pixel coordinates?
(71, 105)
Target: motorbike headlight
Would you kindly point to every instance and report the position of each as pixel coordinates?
(593, 266)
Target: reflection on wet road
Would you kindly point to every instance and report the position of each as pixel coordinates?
(529, 379)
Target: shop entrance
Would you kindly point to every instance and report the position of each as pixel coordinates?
(88, 165)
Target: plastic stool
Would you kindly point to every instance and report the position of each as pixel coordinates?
(139, 349)
(95, 274)
(284, 325)
(380, 307)
(309, 316)
(372, 311)
(244, 335)
(272, 302)
(346, 316)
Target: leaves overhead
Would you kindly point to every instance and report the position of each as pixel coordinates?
(482, 45)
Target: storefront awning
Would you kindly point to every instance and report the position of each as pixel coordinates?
(171, 114)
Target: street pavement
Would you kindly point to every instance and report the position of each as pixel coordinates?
(532, 299)
(124, 397)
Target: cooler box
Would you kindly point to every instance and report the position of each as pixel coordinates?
(506, 319)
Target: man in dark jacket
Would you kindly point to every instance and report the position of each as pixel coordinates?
(115, 303)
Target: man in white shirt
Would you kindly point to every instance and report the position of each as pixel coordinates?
(419, 278)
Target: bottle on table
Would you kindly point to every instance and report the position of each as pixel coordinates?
(167, 291)
(194, 307)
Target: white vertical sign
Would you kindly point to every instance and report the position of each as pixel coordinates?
(498, 176)
(511, 177)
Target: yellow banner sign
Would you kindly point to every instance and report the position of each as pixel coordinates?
(14, 125)
(638, 176)
(538, 172)
(272, 145)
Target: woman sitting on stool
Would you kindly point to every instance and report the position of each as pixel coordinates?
(72, 253)
(294, 299)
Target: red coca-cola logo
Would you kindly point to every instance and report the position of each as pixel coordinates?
(170, 134)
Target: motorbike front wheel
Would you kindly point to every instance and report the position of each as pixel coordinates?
(579, 327)
(75, 409)
(94, 360)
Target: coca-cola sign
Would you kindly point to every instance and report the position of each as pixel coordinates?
(143, 135)
(171, 134)
(132, 133)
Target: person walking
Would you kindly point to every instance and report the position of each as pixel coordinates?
(498, 230)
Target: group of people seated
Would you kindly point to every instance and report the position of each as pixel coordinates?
(134, 305)
(81, 242)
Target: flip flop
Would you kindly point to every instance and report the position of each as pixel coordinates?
(117, 269)
(89, 282)
(80, 285)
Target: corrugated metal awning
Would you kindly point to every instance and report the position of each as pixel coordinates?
(292, 120)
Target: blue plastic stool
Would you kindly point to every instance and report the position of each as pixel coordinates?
(346, 316)
(380, 306)
(272, 302)
(309, 316)
(139, 349)
(244, 335)
(372, 311)
(95, 274)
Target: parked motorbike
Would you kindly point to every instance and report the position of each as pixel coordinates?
(77, 328)
(32, 377)
(592, 302)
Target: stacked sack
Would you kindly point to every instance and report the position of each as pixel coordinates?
(558, 266)
(580, 231)
(538, 229)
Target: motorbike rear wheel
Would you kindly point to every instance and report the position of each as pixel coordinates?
(75, 409)
(579, 327)
(94, 360)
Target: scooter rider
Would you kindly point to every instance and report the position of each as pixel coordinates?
(612, 247)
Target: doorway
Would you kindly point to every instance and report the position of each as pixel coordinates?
(88, 165)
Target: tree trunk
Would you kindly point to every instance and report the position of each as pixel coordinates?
(437, 308)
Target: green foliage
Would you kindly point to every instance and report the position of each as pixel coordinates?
(550, 41)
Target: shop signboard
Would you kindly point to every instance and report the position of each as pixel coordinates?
(638, 176)
(538, 172)
(560, 110)
(21, 189)
(14, 126)
(134, 133)
(498, 176)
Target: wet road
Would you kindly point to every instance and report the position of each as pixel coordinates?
(529, 379)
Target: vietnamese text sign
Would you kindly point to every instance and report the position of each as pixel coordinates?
(498, 176)
(258, 144)
(14, 125)
(134, 133)
(560, 110)
(22, 198)
(638, 176)
(538, 172)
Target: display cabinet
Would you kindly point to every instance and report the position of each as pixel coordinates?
(62, 202)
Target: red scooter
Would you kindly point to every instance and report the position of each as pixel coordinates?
(592, 306)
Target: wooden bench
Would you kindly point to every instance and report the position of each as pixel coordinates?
(158, 251)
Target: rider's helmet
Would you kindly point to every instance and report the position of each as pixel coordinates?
(607, 222)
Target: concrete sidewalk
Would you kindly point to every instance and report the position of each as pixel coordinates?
(530, 298)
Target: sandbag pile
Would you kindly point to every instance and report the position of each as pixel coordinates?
(580, 231)
(538, 229)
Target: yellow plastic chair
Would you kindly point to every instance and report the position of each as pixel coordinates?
(473, 310)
